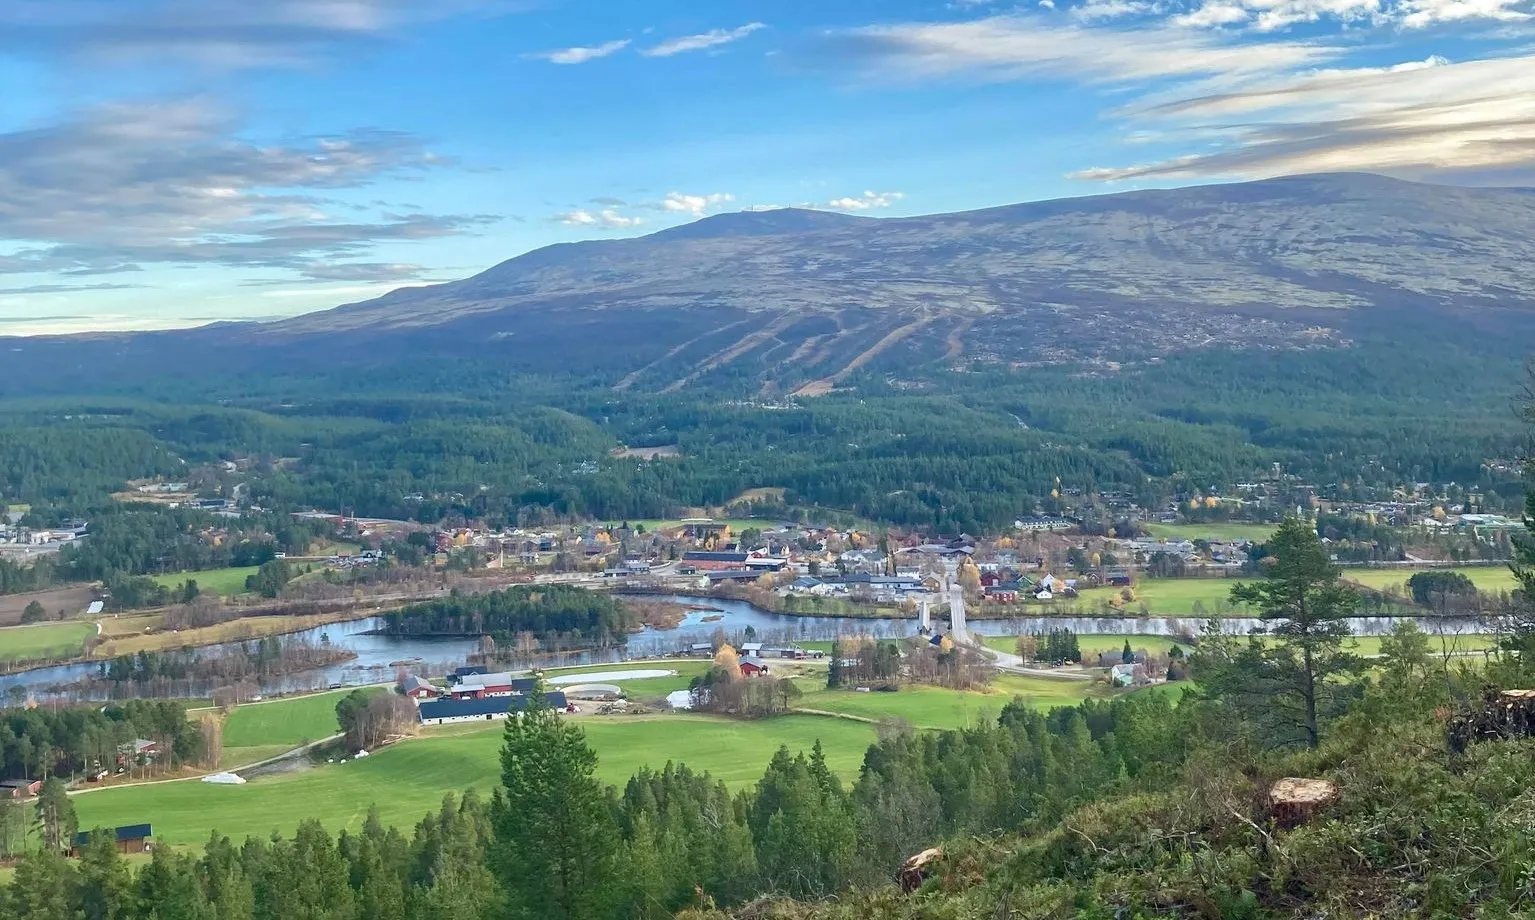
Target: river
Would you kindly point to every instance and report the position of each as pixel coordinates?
(376, 654)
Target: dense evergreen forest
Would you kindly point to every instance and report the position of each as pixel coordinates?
(551, 614)
(1406, 400)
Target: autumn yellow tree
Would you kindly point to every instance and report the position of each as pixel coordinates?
(727, 662)
(970, 576)
(1027, 647)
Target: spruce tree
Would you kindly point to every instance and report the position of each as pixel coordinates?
(1294, 683)
(555, 835)
(106, 888)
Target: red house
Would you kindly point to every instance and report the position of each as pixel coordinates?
(20, 788)
(419, 689)
(751, 666)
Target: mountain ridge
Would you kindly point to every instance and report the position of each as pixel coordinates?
(1332, 240)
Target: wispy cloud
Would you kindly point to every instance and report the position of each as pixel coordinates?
(114, 187)
(607, 219)
(695, 205)
(224, 33)
(866, 202)
(65, 288)
(1471, 121)
(711, 39)
(1011, 47)
(582, 55)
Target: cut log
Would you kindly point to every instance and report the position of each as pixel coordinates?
(914, 870)
(1294, 800)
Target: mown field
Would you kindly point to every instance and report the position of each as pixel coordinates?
(1486, 577)
(1092, 645)
(225, 582)
(44, 640)
(934, 707)
(409, 779)
(1213, 532)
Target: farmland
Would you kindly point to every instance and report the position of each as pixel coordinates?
(409, 779)
(1213, 532)
(1486, 578)
(44, 640)
(225, 582)
(934, 707)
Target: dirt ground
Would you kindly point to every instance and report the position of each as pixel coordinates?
(72, 600)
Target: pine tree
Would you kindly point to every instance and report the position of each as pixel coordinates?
(1127, 656)
(555, 835)
(1297, 681)
(55, 814)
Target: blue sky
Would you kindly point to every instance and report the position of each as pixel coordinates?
(171, 162)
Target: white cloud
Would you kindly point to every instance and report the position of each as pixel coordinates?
(116, 186)
(695, 205)
(1420, 13)
(702, 41)
(221, 33)
(1469, 120)
(1275, 15)
(865, 202)
(607, 218)
(581, 55)
(1011, 47)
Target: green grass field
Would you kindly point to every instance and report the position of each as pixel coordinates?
(1093, 644)
(1162, 596)
(1359, 645)
(408, 780)
(736, 524)
(1486, 578)
(44, 640)
(226, 581)
(285, 721)
(935, 707)
(257, 731)
(1214, 532)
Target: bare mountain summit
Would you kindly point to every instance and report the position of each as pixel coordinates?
(1323, 241)
(802, 300)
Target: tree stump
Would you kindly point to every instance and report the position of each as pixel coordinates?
(915, 869)
(1293, 800)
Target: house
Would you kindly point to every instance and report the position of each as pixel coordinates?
(734, 574)
(708, 561)
(419, 689)
(137, 749)
(20, 788)
(1002, 594)
(133, 838)
(751, 649)
(1128, 675)
(752, 666)
(481, 686)
(447, 712)
(701, 648)
(461, 673)
(766, 564)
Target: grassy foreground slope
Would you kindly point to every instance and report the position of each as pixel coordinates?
(408, 780)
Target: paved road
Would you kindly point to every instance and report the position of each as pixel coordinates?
(1012, 664)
